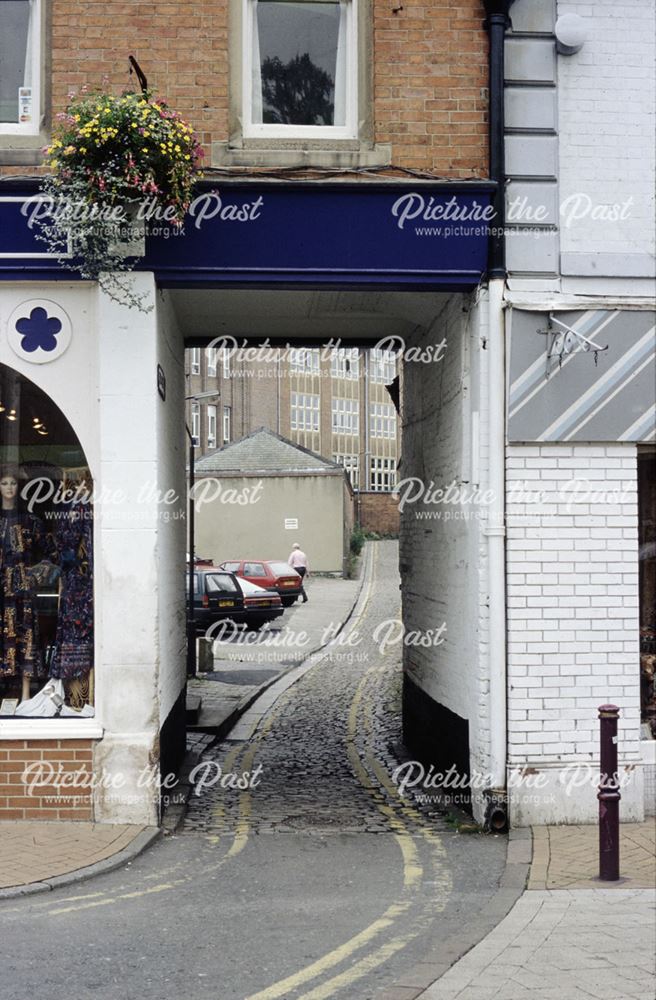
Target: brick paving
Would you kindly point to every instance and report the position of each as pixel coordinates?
(35, 852)
(566, 857)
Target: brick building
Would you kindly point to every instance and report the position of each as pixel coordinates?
(361, 215)
(335, 403)
(325, 254)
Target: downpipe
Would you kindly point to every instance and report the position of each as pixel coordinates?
(496, 807)
(497, 804)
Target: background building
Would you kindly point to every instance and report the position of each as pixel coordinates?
(289, 495)
(317, 398)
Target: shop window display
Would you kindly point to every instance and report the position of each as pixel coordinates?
(46, 558)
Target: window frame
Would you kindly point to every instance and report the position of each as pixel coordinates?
(305, 408)
(351, 465)
(340, 358)
(211, 423)
(382, 416)
(211, 355)
(256, 130)
(227, 422)
(345, 416)
(33, 128)
(383, 366)
(383, 471)
(195, 361)
(195, 424)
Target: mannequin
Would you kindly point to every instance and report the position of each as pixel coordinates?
(20, 539)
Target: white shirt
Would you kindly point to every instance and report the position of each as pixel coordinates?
(298, 558)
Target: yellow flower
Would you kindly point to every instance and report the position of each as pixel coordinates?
(177, 149)
(69, 150)
(146, 132)
(133, 124)
(187, 156)
(54, 163)
(144, 149)
(76, 118)
(83, 149)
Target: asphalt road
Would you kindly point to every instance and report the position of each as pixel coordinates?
(319, 882)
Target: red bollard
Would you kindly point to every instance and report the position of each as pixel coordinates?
(609, 795)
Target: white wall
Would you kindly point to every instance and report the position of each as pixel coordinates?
(606, 122)
(257, 530)
(443, 557)
(172, 454)
(127, 602)
(572, 572)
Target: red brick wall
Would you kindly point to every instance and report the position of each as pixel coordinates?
(430, 70)
(378, 512)
(431, 81)
(72, 803)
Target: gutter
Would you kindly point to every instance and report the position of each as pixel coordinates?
(496, 811)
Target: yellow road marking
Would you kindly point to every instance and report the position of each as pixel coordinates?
(114, 899)
(412, 873)
(334, 957)
(365, 965)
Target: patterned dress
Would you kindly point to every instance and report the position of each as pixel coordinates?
(21, 542)
(73, 652)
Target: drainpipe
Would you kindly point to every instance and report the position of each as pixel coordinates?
(496, 813)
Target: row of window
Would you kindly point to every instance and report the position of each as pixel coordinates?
(214, 356)
(211, 424)
(299, 64)
(345, 416)
(344, 362)
(382, 472)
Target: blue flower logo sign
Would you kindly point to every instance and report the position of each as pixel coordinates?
(39, 331)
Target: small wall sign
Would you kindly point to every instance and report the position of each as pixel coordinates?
(161, 382)
(291, 524)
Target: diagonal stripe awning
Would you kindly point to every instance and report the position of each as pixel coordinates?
(613, 399)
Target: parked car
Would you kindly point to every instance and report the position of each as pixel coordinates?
(272, 574)
(217, 597)
(260, 605)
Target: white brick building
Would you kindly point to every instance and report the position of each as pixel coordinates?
(579, 440)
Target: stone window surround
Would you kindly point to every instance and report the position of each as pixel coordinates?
(296, 152)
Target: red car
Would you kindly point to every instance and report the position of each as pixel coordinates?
(271, 574)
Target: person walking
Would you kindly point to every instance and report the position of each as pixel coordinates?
(299, 561)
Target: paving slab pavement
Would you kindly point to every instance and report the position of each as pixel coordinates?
(569, 936)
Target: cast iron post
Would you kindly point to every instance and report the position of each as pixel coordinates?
(609, 795)
(191, 623)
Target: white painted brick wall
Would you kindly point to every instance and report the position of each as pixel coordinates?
(573, 613)
(443, 562)
(606, 124)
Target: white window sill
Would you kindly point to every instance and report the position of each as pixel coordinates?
(50, 729)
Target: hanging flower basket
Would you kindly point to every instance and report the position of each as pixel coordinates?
(115, 162)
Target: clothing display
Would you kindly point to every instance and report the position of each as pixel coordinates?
(21, 546)
(72, 656)
(46, 558)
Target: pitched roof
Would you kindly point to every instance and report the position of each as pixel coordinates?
(264, 451)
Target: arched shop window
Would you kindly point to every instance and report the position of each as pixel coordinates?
(46, 558)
